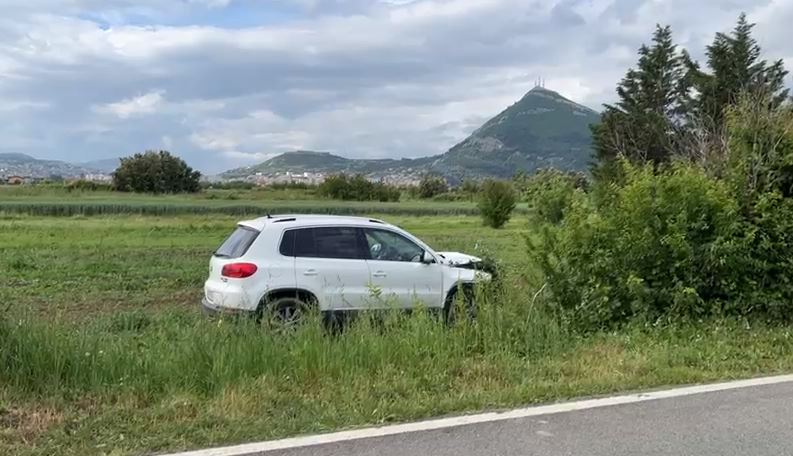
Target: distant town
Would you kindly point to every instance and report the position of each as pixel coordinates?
(315, 178)
(260, 179)
(21, 179)
(17, 169)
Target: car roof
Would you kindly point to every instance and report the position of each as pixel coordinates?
(310, 219)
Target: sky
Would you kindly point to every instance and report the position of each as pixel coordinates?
(227, 83)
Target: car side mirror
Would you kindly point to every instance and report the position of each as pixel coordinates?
(426, 258)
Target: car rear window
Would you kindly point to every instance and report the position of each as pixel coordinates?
(238, 243)
(324, 242)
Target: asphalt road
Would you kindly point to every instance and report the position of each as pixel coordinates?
(753, 421)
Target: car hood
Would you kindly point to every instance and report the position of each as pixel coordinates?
(458, 259)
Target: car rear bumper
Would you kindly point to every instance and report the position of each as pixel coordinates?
(213, 311)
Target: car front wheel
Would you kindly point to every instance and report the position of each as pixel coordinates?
(461, 303)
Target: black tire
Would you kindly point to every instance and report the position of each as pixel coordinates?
(462, 299)
(285, 313)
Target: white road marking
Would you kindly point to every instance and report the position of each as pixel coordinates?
(429, 425)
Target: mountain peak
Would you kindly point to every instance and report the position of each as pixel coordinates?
(543, 89)
(543, 129)
(536, 94)
(307, 153)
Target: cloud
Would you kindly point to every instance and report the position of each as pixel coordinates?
(362, 78)
(211, 3)
(136, 106)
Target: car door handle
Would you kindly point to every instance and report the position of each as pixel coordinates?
(379, 274)
(310, 272)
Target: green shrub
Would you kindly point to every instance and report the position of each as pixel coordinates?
(550, 192)
(760, 142)
(290, 186)
(470, 187)
(760, 173)
(87, 186)
(432, 185)
(156, 172)
(497, 202)
(451, 196)
(667, 244)
(357, 188)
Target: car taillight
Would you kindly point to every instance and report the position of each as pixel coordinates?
(238, 270)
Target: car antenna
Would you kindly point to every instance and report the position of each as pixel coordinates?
(269, 216)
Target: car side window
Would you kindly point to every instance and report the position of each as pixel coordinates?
(387, 245)
(323, 242)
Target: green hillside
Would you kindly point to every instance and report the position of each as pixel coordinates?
(543, 129)
(325, 162)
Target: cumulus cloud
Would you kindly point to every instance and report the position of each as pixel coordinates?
(363, 78)
(136, 106)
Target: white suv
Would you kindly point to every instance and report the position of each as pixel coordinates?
(285, 264)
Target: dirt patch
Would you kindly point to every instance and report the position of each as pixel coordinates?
(26, 425)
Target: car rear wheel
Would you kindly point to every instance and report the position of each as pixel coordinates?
(286, 313)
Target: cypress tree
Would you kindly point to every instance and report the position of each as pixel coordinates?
(644, 124)
(735, 67)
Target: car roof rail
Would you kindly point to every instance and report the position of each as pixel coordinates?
(377, 221)
(285, 220)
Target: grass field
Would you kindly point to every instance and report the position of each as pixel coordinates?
(84, 266)
(58, 202)
(103, 351)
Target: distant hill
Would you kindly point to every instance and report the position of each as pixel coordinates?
(543, 129)
(325, 162)
(27, 166)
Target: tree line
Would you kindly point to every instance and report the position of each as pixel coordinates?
(671, 106)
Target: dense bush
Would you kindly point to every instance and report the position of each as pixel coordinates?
(664, 244)
(155, 172)
(470, 187)
(760, 173)
(678, 241)
(432, 185)
(549, 192)
(497, 202)
(467, 190)
(357, 188)
(87, 186)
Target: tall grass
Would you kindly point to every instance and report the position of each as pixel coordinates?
(67, 209)
(137, 383)
(152, 355)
